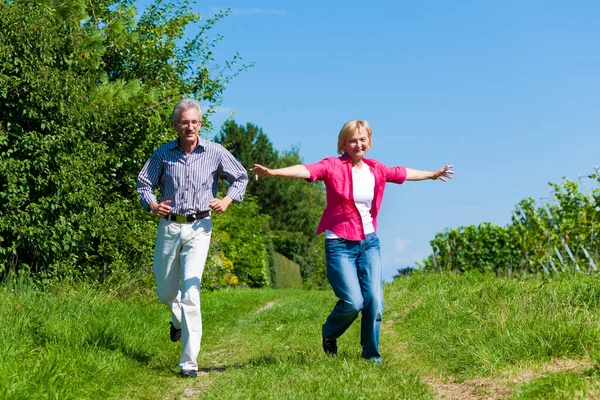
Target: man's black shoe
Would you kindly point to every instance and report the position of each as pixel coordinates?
(330, 346)
(174, 333)
(188, 374)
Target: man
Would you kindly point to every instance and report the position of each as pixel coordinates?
(186, 170)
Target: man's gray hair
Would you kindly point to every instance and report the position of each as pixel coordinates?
(183, 105)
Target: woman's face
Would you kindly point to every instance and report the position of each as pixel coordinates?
(357, 144)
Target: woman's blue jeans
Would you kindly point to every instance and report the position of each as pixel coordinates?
(354, 272)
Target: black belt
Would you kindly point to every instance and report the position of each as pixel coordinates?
(188, 218)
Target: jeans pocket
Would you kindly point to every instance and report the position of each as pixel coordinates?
(332, 245)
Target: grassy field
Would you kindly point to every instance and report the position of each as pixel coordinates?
(443, 336)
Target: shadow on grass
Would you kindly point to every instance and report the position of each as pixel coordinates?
(294, 358)
(219, 368)
(267, 359)
(206, 370)
(110, 340)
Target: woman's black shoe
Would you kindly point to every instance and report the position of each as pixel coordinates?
(330, 346)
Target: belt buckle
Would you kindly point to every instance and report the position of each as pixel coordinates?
(180, 218)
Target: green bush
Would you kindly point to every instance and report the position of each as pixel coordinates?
(87, 89)
(241, 233)
(295, 206)
(308, 254)
(286, 273)
(558, 235)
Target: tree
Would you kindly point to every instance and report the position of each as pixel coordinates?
(86, 90)
(294, 206)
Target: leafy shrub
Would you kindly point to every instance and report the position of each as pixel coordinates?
(558, 235)
(286, 273)
(241, 234)
(87, 90)
(218, 272)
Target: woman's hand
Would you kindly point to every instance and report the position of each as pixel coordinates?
(260, 170)
(443, 173)
(295, 171)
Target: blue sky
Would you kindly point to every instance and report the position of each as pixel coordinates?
(506, 90)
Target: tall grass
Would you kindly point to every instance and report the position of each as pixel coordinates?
(70, 343)
(73, 342)
(476, 325)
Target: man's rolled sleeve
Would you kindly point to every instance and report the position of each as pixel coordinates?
(236, 176)
(148, 180)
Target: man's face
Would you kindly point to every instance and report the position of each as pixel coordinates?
(188, 126)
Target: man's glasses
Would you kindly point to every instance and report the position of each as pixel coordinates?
(186, 123)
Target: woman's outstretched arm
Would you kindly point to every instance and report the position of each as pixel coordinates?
(442, 174)
(295, 171)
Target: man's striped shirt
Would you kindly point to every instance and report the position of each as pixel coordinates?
(190, 180)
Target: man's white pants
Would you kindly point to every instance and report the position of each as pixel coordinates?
(180, 254)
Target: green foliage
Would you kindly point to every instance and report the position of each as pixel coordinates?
(240, 234)
(87, 89)
(294, 206)
(558, 235)
(218, 271)
(286, 273)
(479, 248)
(309, 254)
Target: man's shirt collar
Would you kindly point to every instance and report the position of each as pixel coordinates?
(174, 144)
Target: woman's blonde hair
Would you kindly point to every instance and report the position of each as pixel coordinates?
(349, 129)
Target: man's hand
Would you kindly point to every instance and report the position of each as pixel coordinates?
(161, 209)
(220, 205)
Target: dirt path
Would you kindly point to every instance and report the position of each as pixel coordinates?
(498, 388)
(267, 306)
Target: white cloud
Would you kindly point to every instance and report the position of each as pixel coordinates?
(400, 244)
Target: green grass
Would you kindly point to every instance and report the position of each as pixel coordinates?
(95, 344)
(470, 326)
(566, 385)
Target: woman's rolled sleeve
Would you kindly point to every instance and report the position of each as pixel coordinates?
(318, 171)
(395, 174)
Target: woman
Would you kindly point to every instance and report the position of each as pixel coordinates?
(354, 188)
